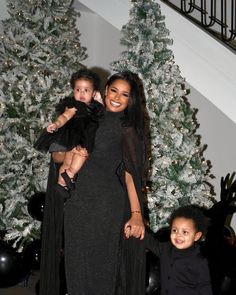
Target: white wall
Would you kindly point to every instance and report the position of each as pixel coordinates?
(116, 12)
(101, 39)
(3, 9)
(207, 65)
(218, 132)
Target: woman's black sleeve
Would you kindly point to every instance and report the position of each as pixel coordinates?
(133, 157)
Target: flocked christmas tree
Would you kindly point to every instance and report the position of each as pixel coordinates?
(40, 49)
(179, 173)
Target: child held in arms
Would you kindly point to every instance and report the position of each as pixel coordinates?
(74, 129)
(183, 269)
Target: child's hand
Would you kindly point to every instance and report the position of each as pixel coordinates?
(134, 227)
(52, 128)
(98, 97)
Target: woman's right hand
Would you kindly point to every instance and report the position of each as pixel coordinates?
(52, 128)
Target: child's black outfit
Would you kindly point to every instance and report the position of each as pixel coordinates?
(183, 271)
(80, 130)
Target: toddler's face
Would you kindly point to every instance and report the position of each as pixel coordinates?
(83, 91)
(183, 233)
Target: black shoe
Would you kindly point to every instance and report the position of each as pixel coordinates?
(69, 181)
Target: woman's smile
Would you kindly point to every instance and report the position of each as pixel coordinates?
(117, 96)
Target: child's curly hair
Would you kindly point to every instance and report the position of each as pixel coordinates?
(193, 212)
(86, 74)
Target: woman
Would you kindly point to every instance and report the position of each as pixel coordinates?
(103, 226)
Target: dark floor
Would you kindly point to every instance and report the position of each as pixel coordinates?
(23, 288)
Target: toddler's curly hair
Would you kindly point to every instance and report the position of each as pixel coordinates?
(193, 212)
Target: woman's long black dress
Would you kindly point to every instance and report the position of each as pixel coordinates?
(98, 259)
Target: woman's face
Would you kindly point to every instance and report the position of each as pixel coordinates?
(117, 96)
(183, 233)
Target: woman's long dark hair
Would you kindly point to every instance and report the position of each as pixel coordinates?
(134, 113)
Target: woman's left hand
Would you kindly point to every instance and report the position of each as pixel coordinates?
(134, 227)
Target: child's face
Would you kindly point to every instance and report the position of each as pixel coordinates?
(83, 91)
(117, 96)
(183, 233)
